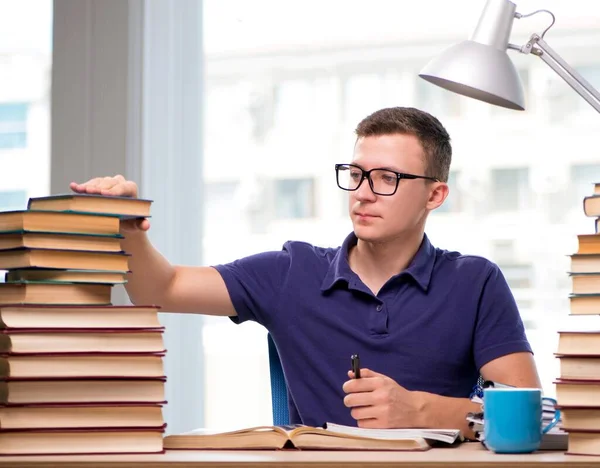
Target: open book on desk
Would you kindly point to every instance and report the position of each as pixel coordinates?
(331, 437)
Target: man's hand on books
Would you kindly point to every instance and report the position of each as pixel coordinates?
(377, 401)
(116, 186)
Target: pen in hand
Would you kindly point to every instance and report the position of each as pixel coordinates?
(355, 366)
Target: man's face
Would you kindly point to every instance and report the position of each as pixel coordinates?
(378, 218)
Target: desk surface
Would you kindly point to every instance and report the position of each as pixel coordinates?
(469, 455)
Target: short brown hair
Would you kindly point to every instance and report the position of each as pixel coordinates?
(407, 120)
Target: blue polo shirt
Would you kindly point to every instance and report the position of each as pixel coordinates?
(430, 328)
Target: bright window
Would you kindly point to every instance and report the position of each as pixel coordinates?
(13, 125)
(13, 200)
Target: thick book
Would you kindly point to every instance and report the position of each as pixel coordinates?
(124, 207)
(585, 263)
(579, 342)
(60, 241)
(330, 437)
(52, 221)
(585, 283)
(63, 259)
(81, 366)
(584, 304)
(74, 317)
(81, 416)
(577, 392)
(588, 244)
(591, 205)
(82, 441)
(584, 442)
(78, 391)
(66, 276)
(22, 341)
(46, 293)
(580, 417)
(579, 367)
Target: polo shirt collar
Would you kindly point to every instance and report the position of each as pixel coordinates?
(420, 268)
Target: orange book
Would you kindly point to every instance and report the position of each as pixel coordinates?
(80, 416)
(81, 441)
(77, 391)
(54, 293)
(577, 392)
(48, 221)
(81, 366)
(59, 240)
(66, 276)
(124, 207)
(23, 341)
(588, 244)
(77, 317)
(63, 259)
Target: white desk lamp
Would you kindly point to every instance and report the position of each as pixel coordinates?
(480, 67)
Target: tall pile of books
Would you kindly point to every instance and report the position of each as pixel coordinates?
(578, 387)
(77, 374)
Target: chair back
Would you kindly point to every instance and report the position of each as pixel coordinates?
(279, 393)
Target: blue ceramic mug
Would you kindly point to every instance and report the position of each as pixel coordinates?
(513, 419)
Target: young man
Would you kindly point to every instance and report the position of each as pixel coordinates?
(425, 321)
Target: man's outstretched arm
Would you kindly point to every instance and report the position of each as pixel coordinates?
(153, 280)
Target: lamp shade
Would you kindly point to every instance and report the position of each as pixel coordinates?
(480, 67)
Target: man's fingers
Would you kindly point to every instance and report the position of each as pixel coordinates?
(352, 400)
(133, 225)
(371, 423)
(370, 373)
(115, 186)
(130, 189)
(82, 187)
(107, 183)
(363, 413)
(361, 385)
(121, 189)
(117, 190)
(144, 224)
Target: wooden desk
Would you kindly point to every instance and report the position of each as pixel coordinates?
(468, 455)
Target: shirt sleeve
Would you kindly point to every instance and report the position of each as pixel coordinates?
(499, 330)
(255, 283)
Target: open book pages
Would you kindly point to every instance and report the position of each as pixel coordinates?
(333, 437)
(448, 436)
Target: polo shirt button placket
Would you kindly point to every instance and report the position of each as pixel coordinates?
(378, 308)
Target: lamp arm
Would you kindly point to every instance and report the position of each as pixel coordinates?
(537, 46)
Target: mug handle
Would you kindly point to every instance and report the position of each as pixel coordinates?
(556, 418)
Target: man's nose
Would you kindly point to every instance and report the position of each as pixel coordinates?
(364, 192)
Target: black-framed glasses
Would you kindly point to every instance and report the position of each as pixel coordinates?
(382, 181)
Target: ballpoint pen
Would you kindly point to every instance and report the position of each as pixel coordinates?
(356, 366)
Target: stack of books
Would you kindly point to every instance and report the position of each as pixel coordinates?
(77, 374)
(578, 386)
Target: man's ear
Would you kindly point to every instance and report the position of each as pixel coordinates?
(437, 195)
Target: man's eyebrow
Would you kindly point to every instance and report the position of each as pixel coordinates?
(388, 168)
